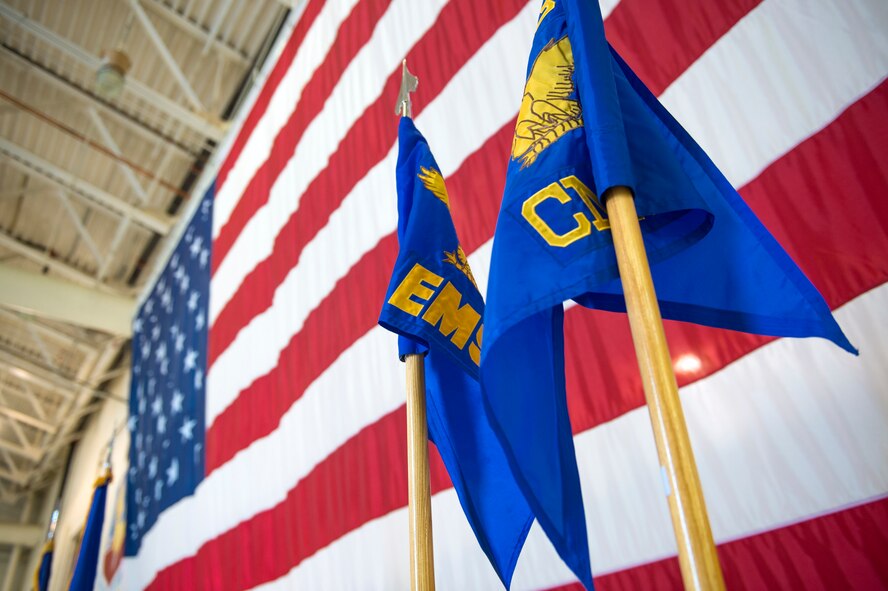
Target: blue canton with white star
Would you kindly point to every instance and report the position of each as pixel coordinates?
(166, 415)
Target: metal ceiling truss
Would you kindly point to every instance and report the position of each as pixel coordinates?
(66, 180)
(130, 121)
(80, 398)
(188, 26)
(200, 122)
(52, 374)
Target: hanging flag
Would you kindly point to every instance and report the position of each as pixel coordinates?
(434, 305)
(586, 124)
(167, 391)
(84, 577)
(44, 568)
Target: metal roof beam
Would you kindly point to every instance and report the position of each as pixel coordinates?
(27, 419)
(20, 534)
(44, 260)
(125, 170)
(50, 297)
(221, 13)
(28, 453)
(167, 57)
(195, 121)
(67, 180)
(186, 25)
(78, 223)
(28, 396)
(12, 477)
(48, 331)
(28, 371)
(132, 123)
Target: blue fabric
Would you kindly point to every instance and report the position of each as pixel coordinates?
(587, 124)
(84, 577)
(44, 569)
(167, 390)
(490, 498)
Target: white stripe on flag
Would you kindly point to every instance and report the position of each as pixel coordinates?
(314, 47)
(781, 74)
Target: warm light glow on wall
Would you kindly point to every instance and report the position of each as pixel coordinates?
(688, 364)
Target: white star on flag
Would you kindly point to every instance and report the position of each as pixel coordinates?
(187, 429)
(173, 472)
(190, 360)
(176, 402)
(192, 301)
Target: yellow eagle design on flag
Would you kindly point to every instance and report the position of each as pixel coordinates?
(546, 112)
(434, 182)
(459, 260)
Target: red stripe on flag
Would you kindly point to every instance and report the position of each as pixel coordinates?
(366, 143)
(352, 35)
(830, 244)
(842, 550)
(269, 544)
(677, 32)
(268, 89)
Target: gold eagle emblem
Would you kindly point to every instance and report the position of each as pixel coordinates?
(546, 112)
(434, 182)
(458, 259)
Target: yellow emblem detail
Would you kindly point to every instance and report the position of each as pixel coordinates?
(546, 112)
(434, 182)
(458, 259)
(545, 9)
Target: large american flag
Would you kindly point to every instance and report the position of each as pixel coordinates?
(304, 482)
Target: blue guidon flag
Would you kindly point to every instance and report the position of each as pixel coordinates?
(587, 124)
(87, 566)
(434, 306)
(44, 568)
(166, 417)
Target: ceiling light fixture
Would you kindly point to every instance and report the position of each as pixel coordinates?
(111, 74)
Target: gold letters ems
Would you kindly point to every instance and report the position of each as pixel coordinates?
(421, 290)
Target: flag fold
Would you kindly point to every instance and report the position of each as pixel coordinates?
(434, 306)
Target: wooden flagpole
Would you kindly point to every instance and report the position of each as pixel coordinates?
(422, 559)
(700, 568)
(419, 498)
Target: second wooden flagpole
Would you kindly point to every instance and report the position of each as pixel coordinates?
(422, 559)
(700, 568)
(419, 494)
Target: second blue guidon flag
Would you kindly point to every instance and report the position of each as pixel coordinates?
(434, 305)
(84, 577)
(586, 124)
(44, 568)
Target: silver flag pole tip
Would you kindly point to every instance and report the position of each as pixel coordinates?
(409, 82)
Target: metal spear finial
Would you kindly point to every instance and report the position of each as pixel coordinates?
(409, 82)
